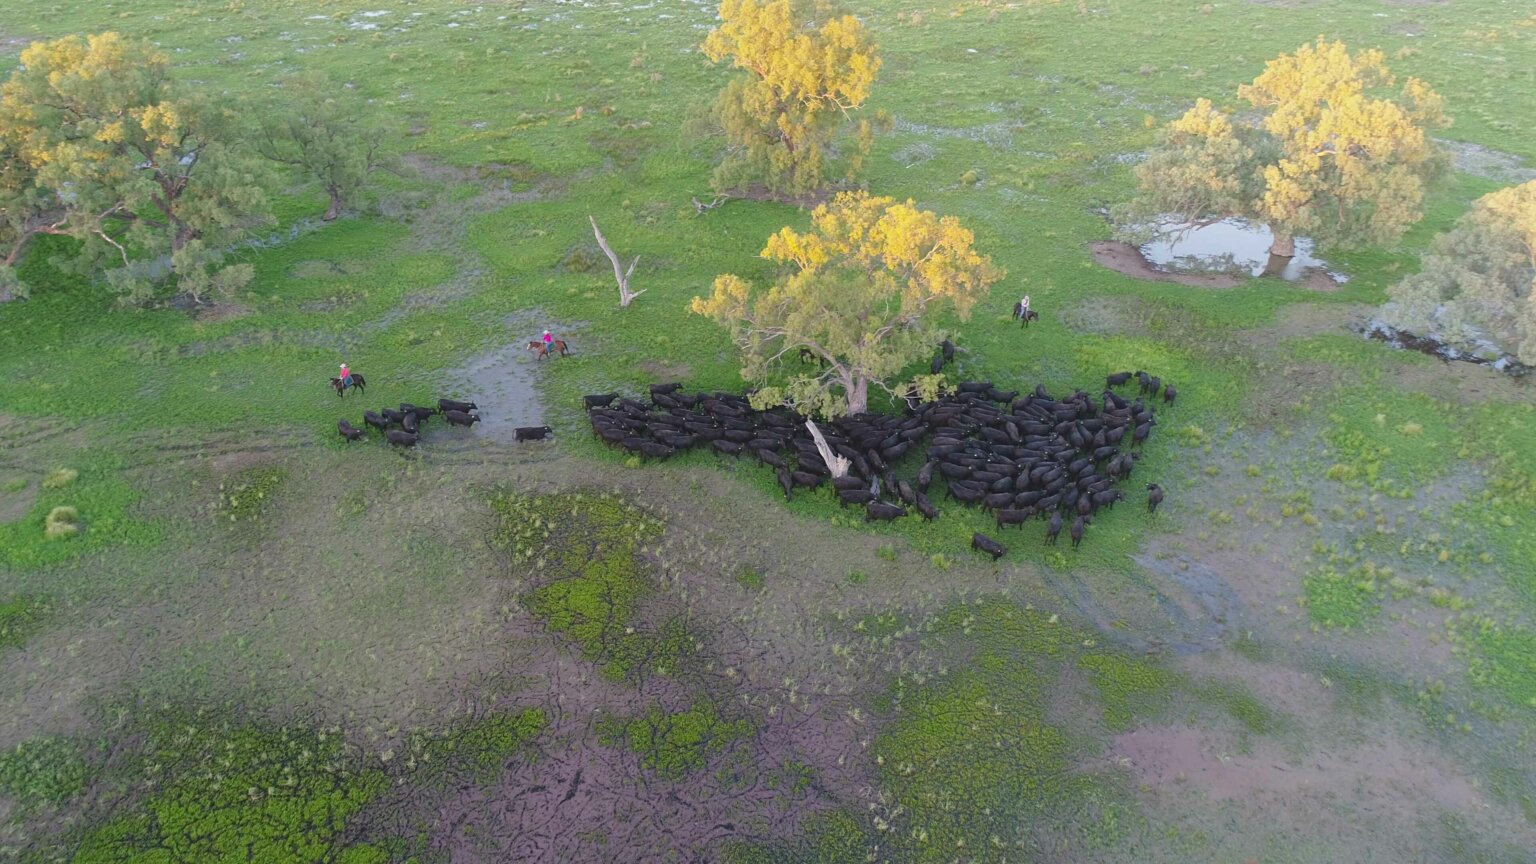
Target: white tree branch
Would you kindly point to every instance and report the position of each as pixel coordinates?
(620, 275)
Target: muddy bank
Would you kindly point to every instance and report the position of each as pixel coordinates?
(1221, 254)
(1379, 331)
(1127, 259)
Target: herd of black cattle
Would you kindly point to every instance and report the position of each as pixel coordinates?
(1022, 458)
(402, 427)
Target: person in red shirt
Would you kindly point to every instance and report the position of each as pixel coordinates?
(346, 376)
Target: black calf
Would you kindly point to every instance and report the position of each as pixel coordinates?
(983, 543)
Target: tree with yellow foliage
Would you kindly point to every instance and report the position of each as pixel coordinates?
(1478, 281)
(805, 70)
(1340, 151)
(107, 149)
(861, 290)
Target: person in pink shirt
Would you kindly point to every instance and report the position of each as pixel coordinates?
(346, 376)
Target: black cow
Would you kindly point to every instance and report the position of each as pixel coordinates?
(401, 439)
(1077, 529)
(1154, 497)
(375, 421)
(455, 405)
(599, 400)
(925, 507)
(1014, 517)
(461, 418)
(531, 433)
(879, 510)
(983, 543)
(420, 412)
(808, 479)
(347, 431)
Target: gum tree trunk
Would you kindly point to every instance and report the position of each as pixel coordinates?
(334, 210)
(1284, 245)
(858, 396)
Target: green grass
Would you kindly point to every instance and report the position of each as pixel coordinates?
(1126, 687)
(969, 760)
(583, 549)
(221, 793)
(43, 770)
(674, 743)
(482, 746)
(20, 617)
(247, 494)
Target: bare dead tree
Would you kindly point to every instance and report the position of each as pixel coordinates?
(838, 465)
(701, 207)
(625, 295)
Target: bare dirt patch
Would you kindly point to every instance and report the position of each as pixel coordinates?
(1128, 260)
(1117, 316)
(666, 370)
(14, 44)
(1488, 163)
(218, 312)
(16, 502)
(1383, 775)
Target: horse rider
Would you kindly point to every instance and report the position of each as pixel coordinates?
(1021, 311)
(549, 341)
(346, 377)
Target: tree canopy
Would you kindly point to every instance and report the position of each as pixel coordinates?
(861, 290)
(324, 130)
(1340, 151)
(110, 151)
(1478, 280)
(806, 69)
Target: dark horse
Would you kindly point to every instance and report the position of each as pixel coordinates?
(1024, 314)
(357, 381)
(541, 350)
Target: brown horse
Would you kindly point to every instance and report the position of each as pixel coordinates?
(357, 381)
(540, 350)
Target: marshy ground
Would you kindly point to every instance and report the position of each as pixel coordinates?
(1320, 649)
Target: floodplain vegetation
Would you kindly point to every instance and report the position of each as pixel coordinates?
(229, 634)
